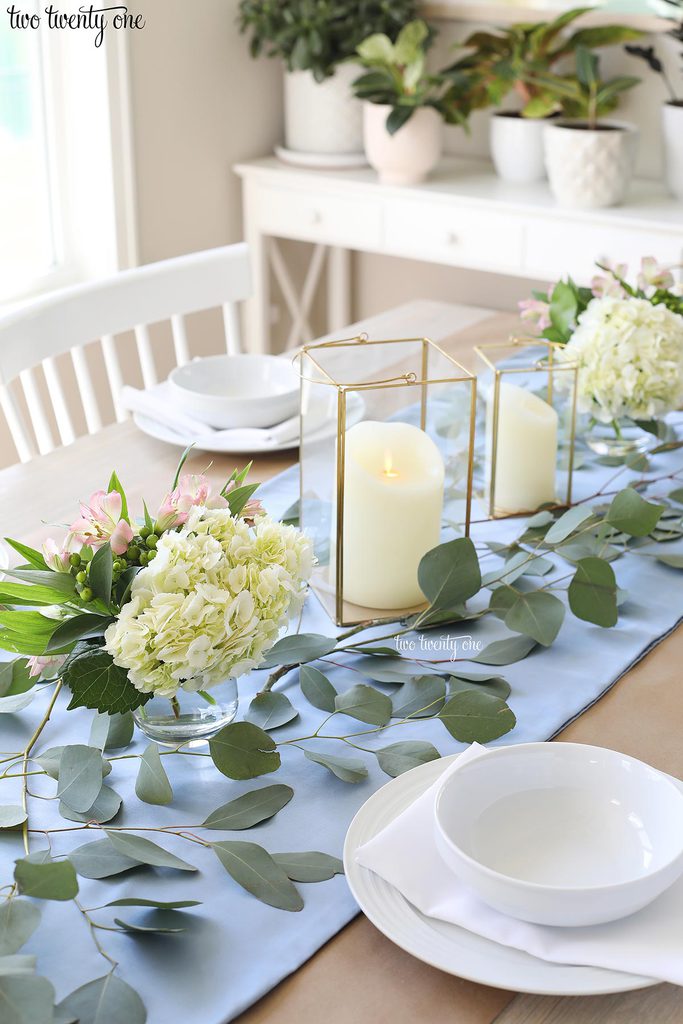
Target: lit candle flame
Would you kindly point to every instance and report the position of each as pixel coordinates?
(389, 470)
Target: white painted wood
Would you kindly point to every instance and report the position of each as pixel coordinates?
(338, 288)
(298, 332)
(283, 278)
(257, 308)
(36, 332)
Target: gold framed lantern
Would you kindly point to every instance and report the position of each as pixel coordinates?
(528, 394)
(386, 463)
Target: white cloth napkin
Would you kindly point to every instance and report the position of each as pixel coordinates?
(404, 854)
(159, 403)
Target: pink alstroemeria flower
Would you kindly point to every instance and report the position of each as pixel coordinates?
(653, 275)
(609, 287)
(536, 311)
(44, 665)
(192, 490)
(101, 522)
(57, 555)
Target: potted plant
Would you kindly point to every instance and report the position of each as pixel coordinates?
(589, 160)
(672, 110)
(405, 105)
(505, 63)
(316, 40)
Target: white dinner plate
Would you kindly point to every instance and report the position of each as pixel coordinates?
(321, 161)
(208, 443)
(446, 946)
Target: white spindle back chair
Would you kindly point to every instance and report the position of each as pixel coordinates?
(35, 333)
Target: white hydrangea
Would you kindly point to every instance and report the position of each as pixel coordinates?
(211, 603)
(630, 356)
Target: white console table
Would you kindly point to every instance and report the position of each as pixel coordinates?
(463, 216)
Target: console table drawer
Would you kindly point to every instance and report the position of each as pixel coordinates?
(459, 236)
(334, 220)
(556, 250)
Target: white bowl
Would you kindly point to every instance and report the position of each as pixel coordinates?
(561, 833)
(237, 391)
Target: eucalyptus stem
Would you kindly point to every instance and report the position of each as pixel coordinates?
(91, 927)
(282, 670)
(25, 759)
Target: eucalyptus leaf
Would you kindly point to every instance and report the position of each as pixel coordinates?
(46, 879)
(106, 806)
(677, 495)
(496, 685)
(11, 815)
(51, 758)
(255, 870)
(593, 592)
(632, 514)
(141, 929)
(401, 757)
(537, 615)
(570, 521)
(348, 769)
(243, 751)
(18, 964)
(152, 785)
(26, 999)
(419, 697)
(385, 670)
(146, 852)
(298, 648)
(112, 732)
(270, 710)
(310, 866)
(507, 651)
(448, 575)
(542, 518)
(477, 717)
(16, 702)
(108, 1000)
(365, 704)
(674, 561)
(101, 859)
(18, 921)
(250, 808)
(80, 776)
(317, 689)
(135, 901)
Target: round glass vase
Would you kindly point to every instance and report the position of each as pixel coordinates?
(189, 717)
(618, 439)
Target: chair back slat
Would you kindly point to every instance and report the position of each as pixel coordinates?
(114, 375)
(180, 345)
(59, 403)
(17, 427)
(36, 411)
(87, 391)
(146, 356)
(231, 320)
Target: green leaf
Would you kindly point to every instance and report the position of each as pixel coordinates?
(148, 929)
(18, 921)
(105, 807)
(448, 575)
(673, 561)
(47, 879)
(401, 757)
(26, 594)
(96, 682)
(507, 651)
(11, 815)
(563, 304)
(115, 485)
(15, 677)
(80, 776)
(419, 697)
(16, 702)
(32, 556)
(348, 769)
(111, 732)
(26, 999)
(250, 808)
(388, 669)
(146, 852)
(297, 648)
(135, 901)
(238, 498)
(317, 689)
(310, 866)
(376, 49)
(475, 717)
(536, 614)
(365, 704)
(75, 628)
(101, 573)
(61, 583)
(108, 1000)
(254, 869)
(567, 523)
(243, 751)
(629, 513)
(398, 116)
(270, 710)
(496, 685)
(18, 964)
(152, 785)
(51, 758)
(593, 592)
(677, 495)
(101, 860)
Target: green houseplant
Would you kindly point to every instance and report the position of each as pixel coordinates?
(512, 62)
(316, 39)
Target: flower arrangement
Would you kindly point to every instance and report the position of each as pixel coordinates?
(627, 340)
(128, 609)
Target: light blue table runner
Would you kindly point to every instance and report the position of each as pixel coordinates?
(236, 948)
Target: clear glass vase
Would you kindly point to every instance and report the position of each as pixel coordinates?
(618, 439)
(190, 715)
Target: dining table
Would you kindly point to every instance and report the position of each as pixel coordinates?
(359, 976)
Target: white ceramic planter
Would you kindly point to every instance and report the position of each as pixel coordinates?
(672, 133)
(408, 156)
(323, 117)
(590, 169)
(517, 147)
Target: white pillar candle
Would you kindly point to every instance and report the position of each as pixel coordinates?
(393, 501)
(526, 456)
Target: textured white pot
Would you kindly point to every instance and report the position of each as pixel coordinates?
(590, 169)
(408, 156)
(672, 133)
(323, 117)
(517, 147)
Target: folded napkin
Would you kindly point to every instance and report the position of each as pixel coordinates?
(404, 854)
(159, 403)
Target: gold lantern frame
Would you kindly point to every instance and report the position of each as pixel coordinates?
(546, 364)
(341, 614)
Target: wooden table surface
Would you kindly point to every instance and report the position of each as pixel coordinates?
(360, 977)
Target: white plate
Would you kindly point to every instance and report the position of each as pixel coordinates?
(323, 161)
(354, 413)
(443, 945)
